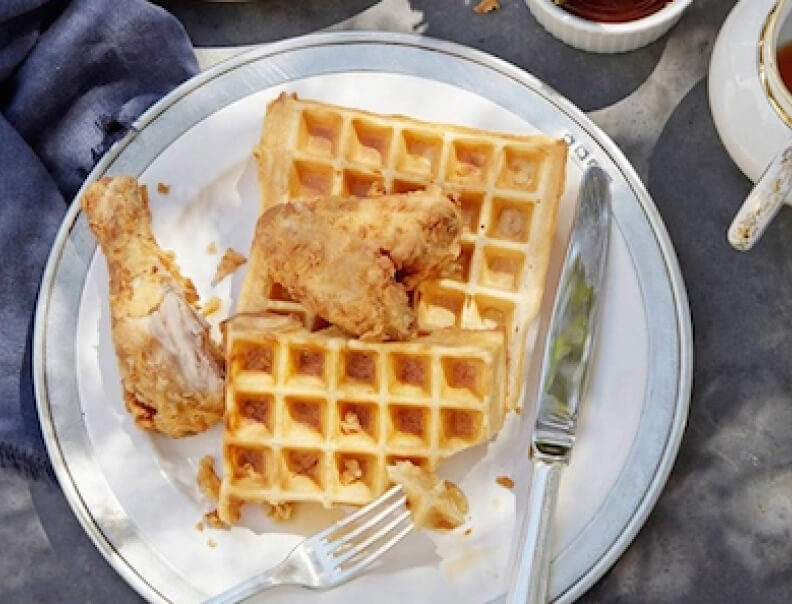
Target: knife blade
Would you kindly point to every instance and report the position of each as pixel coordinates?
(562, 382)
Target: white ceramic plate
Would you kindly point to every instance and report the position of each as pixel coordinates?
(135, 493)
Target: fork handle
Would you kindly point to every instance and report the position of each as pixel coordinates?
(260, 582)
(531, 572)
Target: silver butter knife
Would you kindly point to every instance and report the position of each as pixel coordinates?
(562, 381)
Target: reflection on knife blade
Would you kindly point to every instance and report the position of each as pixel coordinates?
(567, 350)
(571, 329)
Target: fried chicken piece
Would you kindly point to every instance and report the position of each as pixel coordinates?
(434, 503)
(171, 370)
(352, 261)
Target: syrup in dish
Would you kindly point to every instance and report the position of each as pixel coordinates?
(612, 11)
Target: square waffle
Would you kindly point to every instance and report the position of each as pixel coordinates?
(509, 187)
(318, 416)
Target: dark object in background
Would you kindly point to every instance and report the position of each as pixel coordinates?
(74, 75)
(253, 22)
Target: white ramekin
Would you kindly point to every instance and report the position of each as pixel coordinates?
(605, 37)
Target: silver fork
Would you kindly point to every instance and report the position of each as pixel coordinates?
(336, 554)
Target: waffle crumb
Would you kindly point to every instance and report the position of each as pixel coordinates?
(211, 543)
(211, 306)
(505, 481)
(207, 479)
(212, 520)
(351, 423)
(376, 188)
(352, 471)
(162, 188)
(199, 526)
(229, 263)
(211, 248)
(280, 511)
(467, 532)
(486, 6)
(435, 504)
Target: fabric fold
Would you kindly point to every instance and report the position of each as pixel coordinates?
(74, 76)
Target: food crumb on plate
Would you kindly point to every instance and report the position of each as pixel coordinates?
(211, 306)
(211, 248)
(352, 471)
(211, 543)
(207, 479)
(163, 188)
(468, 531)
(199, 526)
(229, 263)
(351, 423)
(280, 511)
(212, 520)
(486, 6)
(505, 481)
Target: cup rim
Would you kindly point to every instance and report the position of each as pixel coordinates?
(770, 76)
(670, 11)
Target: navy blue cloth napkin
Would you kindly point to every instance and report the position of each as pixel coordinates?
(74, 75)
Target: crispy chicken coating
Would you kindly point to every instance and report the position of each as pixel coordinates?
(435, 504)
(353, 261)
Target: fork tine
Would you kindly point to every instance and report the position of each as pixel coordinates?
(367, 525)
(382, 500)
(381, 532)
(361, 564)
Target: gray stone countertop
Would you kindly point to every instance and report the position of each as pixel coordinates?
(722, 529)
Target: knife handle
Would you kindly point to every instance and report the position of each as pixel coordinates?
(530, 578)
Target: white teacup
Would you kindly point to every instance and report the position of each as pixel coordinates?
(774, 187)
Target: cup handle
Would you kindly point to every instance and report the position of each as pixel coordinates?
(763, 202)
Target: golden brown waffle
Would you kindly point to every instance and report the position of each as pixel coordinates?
(509, 187)
(318, 416)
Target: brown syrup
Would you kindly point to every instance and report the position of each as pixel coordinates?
(613, 11)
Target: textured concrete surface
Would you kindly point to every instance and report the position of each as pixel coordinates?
(721, 530)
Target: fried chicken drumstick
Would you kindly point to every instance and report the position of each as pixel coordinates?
(353, 261)
(171, 370)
